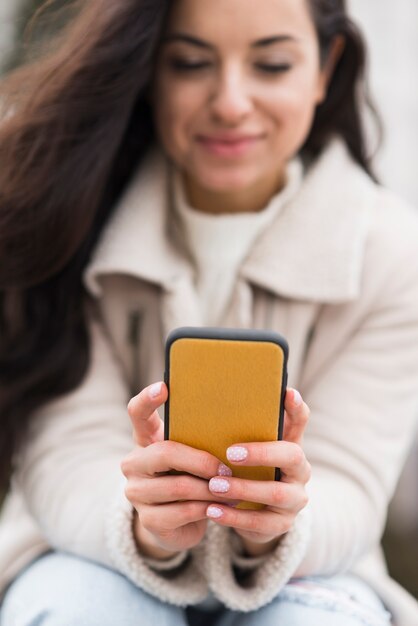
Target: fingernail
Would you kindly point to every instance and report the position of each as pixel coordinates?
(219, 485)
(155, 390)
(224, 470)
(297, 398)
(214, 511)
(236, 453)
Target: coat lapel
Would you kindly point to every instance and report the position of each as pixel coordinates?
(136, 241)
(313, 251)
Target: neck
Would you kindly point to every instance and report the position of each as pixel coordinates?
(249, 200)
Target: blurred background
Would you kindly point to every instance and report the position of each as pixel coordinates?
(393, 77)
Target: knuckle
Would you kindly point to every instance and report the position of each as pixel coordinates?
(287, 523)
(304, 500)
(297, 455)
(168, 448)
(180, 487)
(147, 519)
(253, 522)
(305, 413)
(192, 510)
(132, 493)
(168, 445)
(239, 490)
(157, 524)
(208, 465)
(161, 451)
(135, 405)
(231, 516)
(126, 465)
(128, 493)
(132, 408)
(140, 405)
(278, 496)
(152, 520)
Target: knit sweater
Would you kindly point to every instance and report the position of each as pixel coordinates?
(218, 244)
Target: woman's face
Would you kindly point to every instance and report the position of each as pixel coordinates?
(235, 89)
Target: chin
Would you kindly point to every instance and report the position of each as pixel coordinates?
(223, 181)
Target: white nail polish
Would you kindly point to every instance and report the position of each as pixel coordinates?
(155, 390)
(236, 453)
(214, 511)
(224, 470)
(219, 485)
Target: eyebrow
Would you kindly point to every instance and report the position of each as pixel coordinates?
(200, 43)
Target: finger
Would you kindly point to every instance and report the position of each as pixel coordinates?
(164, 456)
(296, 416)
(168, 517)
(175, 526)
(142, 408)
(263, 522)
(280, 495)
(164, 489)
(286, 455)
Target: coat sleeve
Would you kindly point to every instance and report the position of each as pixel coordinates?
(364, 408)
(69, 474)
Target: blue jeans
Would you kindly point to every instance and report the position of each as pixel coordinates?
(61, 590)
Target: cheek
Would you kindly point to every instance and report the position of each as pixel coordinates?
(175, 111)
(292, 109)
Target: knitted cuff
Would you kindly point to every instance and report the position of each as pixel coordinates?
(167, 565)
(266, 581)
(188, 586)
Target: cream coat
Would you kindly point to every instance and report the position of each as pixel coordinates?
(337, 274)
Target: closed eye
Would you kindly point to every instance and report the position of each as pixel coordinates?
(274, 69)
(187, 66)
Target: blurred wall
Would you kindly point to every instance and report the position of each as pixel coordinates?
(8, 13)
(391, 30)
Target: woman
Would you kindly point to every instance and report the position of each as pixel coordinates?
(184, 163)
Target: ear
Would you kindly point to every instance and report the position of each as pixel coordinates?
(327, 70)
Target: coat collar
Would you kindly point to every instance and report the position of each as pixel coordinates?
(313, 251)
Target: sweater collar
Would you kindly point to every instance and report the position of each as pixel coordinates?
(313, 250)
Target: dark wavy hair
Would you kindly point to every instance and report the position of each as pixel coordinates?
(75, 123)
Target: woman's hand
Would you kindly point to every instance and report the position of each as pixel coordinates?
(260, 530)
(171, 510)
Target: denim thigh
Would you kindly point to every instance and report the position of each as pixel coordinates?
(342, 600)
(61, 590)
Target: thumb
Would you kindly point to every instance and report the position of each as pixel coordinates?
(147, 425)
(296, 417)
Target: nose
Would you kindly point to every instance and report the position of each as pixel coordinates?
(231, 99)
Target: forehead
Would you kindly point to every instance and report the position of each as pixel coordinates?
(240, 21)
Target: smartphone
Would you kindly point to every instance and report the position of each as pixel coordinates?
(226, 386)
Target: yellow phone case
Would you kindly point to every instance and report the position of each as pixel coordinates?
(226, 386)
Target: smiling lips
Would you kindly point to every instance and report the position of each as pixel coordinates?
(227, 146)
